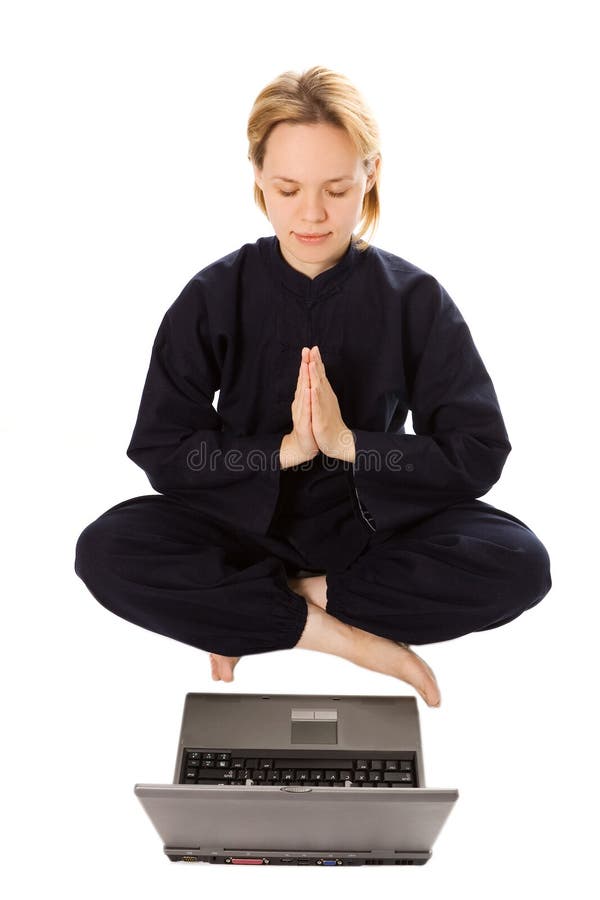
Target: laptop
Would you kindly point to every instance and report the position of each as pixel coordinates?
(298, 780)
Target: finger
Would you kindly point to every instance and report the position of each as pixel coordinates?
(303, 410)
(316, 354)
(318, 359)
(299, 383)
(297, 408)
(315, 373)
(303, 376)
(314, 407)
(306, 372)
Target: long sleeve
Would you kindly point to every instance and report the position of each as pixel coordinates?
(179, 438)
(460, 443)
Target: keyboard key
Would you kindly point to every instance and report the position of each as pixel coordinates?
(210, 774)
(391, 765)
(396, 777)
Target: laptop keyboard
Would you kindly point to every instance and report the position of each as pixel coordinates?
(279, 768)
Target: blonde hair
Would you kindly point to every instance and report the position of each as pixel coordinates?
(318, 95)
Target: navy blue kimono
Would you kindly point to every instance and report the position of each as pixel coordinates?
(409, 551)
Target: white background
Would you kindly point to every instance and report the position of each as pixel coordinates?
(124, 172)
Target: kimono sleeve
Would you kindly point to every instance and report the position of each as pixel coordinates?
(179, 439)
(460, 443)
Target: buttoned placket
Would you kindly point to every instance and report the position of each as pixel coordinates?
(304, 305)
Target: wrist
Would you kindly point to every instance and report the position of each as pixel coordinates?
(343, 446)
(348, 445)
(288, 452)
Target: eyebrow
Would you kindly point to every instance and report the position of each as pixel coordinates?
(328, 181)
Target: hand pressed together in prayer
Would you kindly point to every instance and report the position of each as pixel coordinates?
(316, 415)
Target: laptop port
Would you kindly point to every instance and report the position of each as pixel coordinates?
(244, 861)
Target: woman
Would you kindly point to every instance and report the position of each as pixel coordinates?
(299, 512)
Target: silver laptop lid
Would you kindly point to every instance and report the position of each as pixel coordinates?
(268, 818)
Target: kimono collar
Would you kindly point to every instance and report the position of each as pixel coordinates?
(325, 283)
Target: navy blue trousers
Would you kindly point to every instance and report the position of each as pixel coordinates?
(159, 564)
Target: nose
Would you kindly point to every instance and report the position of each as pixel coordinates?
(313, 209)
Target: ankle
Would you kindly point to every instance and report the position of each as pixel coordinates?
(313, 589)
(327, 634)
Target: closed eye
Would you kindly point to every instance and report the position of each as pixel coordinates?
(292, 193)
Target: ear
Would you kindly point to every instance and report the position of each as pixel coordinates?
(372, 177)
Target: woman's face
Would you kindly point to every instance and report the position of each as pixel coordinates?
(302, 195)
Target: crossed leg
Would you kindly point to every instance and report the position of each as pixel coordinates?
(327, 634)
(470, 568)
(154, 562)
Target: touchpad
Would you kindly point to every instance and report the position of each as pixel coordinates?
(314, 726)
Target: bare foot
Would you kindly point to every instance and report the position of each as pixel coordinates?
(222, 666)
(329, 635)
(430, 674)
(395, 658)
